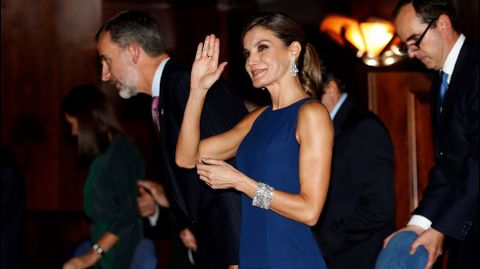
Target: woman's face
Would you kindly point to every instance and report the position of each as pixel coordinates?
(266, 57)
(72, 120)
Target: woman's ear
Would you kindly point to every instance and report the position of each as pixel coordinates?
(295, 48)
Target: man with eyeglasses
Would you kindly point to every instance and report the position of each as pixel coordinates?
(450, 206)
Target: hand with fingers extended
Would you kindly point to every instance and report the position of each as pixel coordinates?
(205, 69)
(218, 174)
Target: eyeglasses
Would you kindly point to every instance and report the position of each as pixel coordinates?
(413, 47)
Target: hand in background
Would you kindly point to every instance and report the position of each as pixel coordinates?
(151, 193)
(188, 239)
(146, 203)
(81, 262)
(73, 263)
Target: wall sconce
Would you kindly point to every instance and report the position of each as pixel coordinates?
(374, 39)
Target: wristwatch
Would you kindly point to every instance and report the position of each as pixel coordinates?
(98, 249)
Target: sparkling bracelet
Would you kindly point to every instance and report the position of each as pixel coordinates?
(263, 196)
(98, 249)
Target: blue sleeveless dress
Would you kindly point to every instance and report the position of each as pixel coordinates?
(269, 153)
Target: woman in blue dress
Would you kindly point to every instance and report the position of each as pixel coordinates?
(283, 151)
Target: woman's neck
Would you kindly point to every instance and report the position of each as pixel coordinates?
(286, 94)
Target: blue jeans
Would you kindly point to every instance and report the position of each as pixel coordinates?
(396, 255)
(144, 257)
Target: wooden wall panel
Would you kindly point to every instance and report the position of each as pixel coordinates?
(47, 47)
(25, 54)
(400, 99)
(420, 143)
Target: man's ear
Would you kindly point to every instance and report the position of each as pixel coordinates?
(331, 89)
(134, 51)
(444, 23)
(330, 95)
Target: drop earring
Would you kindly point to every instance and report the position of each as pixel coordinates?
(293, 67)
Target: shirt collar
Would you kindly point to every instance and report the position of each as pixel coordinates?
(158, 78)
(452, 57)
(338, 105)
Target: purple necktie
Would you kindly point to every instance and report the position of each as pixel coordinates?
(155, 113)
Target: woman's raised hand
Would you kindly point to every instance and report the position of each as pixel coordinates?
(205, 69)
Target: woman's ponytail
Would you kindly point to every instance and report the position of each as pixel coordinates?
(310, 71)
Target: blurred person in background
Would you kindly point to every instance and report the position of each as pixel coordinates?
(110, 190)
(360, 208)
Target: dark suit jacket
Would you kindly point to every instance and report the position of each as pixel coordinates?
(359, 211)
(451, 198)
(215, 214)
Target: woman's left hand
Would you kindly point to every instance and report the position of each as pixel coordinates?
(218, 174)
(81, 262)
(74, 263)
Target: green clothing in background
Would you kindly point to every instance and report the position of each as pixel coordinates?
(110, 195)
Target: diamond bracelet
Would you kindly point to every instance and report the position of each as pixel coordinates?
(263, 196)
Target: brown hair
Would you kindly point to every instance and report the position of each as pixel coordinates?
(97, 122)
(288, 30)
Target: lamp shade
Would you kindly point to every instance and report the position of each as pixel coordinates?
(334, 25)
(377, 35)
(370, 36)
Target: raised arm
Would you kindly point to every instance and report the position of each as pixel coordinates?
(205, 72)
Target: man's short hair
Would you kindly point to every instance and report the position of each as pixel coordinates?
(428, 10)
(134, 27)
